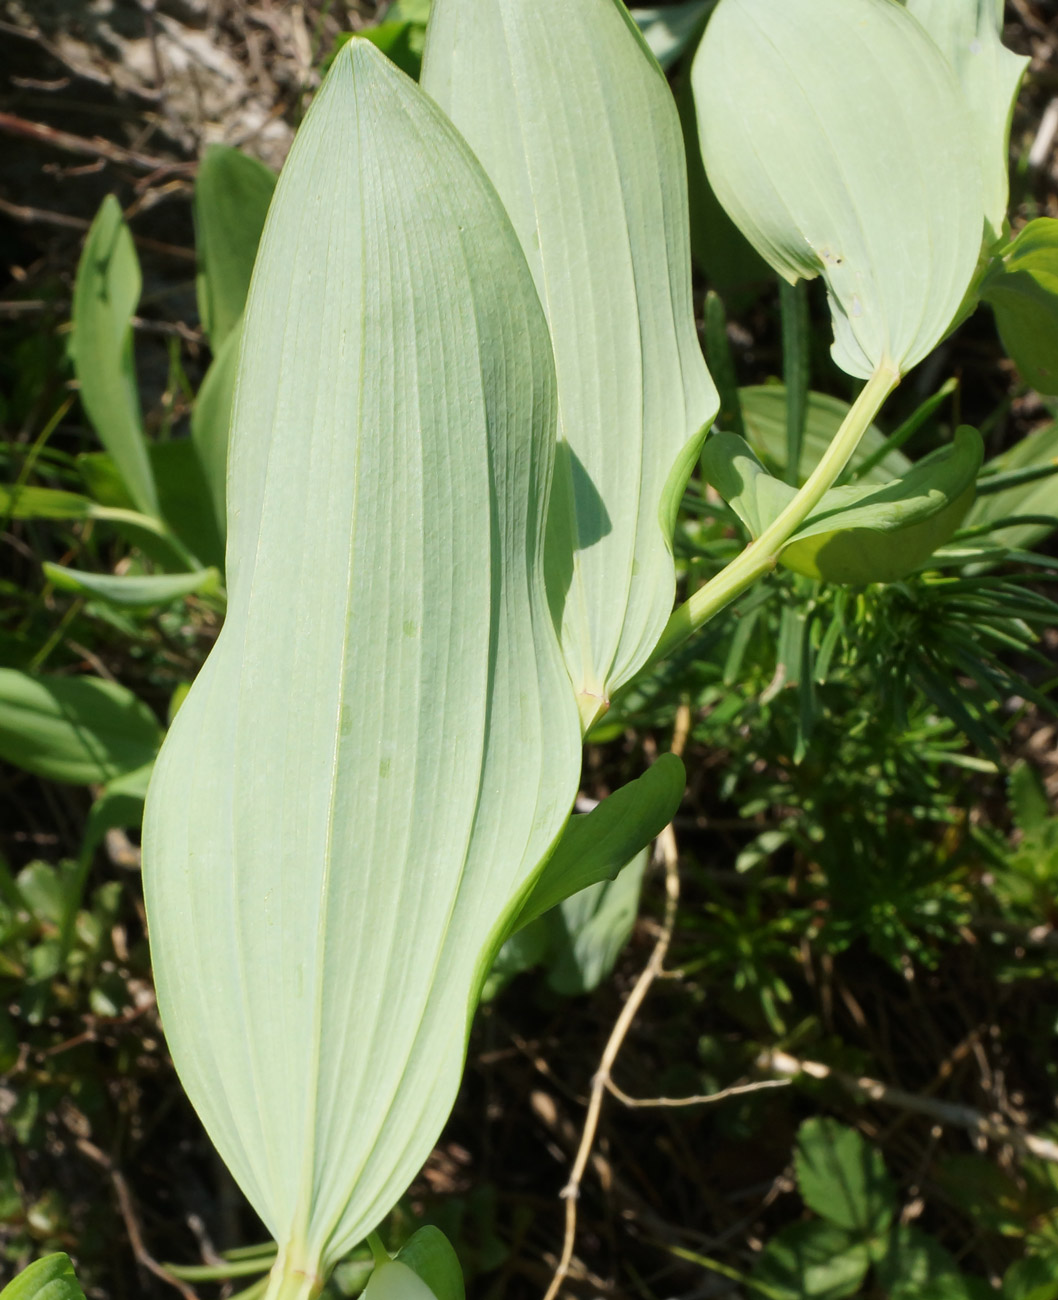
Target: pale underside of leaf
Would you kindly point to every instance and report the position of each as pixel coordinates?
(836, 136)
(970, 36)
(582, 140)
(383, 745)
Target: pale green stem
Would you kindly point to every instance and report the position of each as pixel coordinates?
(291, 1280)
(762, 554)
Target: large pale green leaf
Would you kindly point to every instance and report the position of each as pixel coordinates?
(1022, 290)
(582, 140)
(106, 293)
(79, 729)
(356, 796)
(836, 135)
(863, 532)
(970, 35)
(232, 194)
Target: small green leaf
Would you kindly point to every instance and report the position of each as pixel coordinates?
(764, 413)
(232, 194)
(395, 1281)
(42, 889)
(50, 1278)
(79, 729)
(134, 590)
(843, 1179)
(1032, 1278)
(835, 134)
(595, 846)
(106, 293)
(908, 1260)
(23, 502)
(970, 35)
(812, 1261)
(862, 532)
(186, 500)
(1037, 450)
(588, 931)
(429, 1254)
(1022, 290)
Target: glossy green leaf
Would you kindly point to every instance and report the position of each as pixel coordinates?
(812, 1261)
(1022, 290)
(835, 134)
(79, 729)
(1037, 450)
(588, 931)
(764, 416)
(863, 532)
(50, 1278)
(232, 194)
(106, 293)
(970, 35)
(841, 1177)
(596, 845)
(211, 422)
(429, 1254)
(137, 589)
(582, 140)
(356, 796)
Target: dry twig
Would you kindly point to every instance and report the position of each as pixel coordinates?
(943, 1112)
(669, 854)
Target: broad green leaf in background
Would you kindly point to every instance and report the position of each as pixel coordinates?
(50, 1278)
(394, 1280)
(908, 1260)
(970, 35)
(843, 1178)
(1032, 1278)
(596, 845)
(232, 194)
(764, 416)
(812, 1261)
(356, 795)
(106, 293)
(185, 499)
(863, 532)
(582, 140)
(1037, 450)
(835, 134)
(79, 729)
(1022, 290)
(138, 589)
